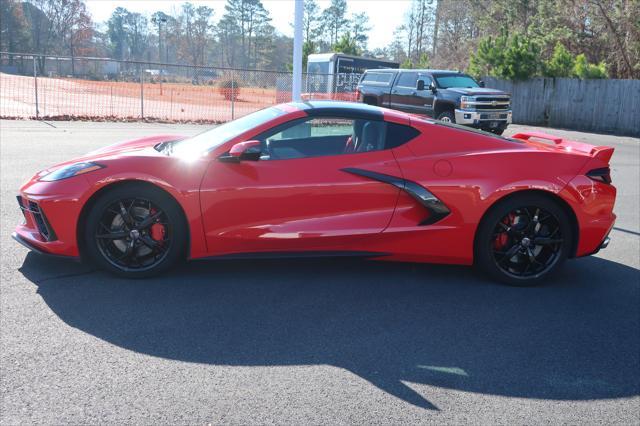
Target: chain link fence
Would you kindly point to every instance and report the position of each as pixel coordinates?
(61, 87)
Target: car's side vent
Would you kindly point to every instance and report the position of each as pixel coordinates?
(602, 174)
(436, 208)
(24, 211)
(38, 218)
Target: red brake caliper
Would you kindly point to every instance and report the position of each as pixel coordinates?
(157, 229)
(503, 238)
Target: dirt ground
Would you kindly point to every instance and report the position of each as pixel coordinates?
(166, 101)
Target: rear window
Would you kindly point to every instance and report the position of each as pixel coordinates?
(398, 134)
(377, 78)
(471, 129)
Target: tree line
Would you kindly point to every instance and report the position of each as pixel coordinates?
(514, 39)
(242, 37)
(519, 39)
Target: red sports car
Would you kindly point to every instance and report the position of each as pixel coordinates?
(328, 179)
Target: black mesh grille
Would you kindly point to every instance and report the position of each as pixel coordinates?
(490, 117)
(491, 107)
(41, 221)
(489, 99)
(24, 211)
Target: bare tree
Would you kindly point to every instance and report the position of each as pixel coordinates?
(197, 31)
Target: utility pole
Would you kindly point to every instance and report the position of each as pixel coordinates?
(297, 51)
(159, 19)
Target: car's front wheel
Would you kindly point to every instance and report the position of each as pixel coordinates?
(135, 230)
(523, 240)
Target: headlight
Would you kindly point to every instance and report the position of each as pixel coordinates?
(464, 101)
(70, 171)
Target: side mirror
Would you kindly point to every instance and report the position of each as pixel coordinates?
(481, 83)
(242, 151)
(420, 85)
(432, 87)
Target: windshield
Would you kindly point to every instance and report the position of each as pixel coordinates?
(211, 139)
(455, 80)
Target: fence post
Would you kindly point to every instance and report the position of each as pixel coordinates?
(35, 82)
(141, 92)
(233, 94)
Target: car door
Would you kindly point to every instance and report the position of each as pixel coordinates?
(403, 92)
(424, 98)
(299, 195)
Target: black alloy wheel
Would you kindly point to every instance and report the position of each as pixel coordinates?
(135, 235)
(523, 240)
(526, 242)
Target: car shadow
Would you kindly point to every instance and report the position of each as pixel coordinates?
(575, 338)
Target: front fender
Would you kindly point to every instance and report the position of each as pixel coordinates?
(183, 187)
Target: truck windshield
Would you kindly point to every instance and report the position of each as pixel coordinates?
(455, 80)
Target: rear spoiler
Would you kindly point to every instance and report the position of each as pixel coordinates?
(602, 153)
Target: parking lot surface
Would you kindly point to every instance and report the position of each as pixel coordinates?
(312, 341)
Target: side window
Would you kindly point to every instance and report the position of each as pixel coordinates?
(384, 78)
(408, 79)
(398, 134)
(426, 78)
(380, 78)
(322, 136)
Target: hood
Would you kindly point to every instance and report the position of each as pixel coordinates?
(473, 91)
(120, 148)
(133, 145)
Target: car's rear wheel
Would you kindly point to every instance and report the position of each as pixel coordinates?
(523, 240)
(135, 231)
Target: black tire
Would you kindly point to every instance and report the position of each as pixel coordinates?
(150, 234)
(498, 131)
(505, 243)
(447, 116)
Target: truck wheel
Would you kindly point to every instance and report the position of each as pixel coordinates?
(447, 117)
(498, 131)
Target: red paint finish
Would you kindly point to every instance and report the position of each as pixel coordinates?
(305, 203)
(312, 204)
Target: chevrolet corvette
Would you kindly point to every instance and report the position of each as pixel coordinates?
(327, 178)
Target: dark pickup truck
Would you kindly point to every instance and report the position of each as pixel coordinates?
(449, 96)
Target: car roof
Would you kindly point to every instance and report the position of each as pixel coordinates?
(345, 109)
(430, 71)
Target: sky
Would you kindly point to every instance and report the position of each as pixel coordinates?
(384, 15)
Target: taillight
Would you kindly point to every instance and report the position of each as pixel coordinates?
(602, 174)
(357, 93)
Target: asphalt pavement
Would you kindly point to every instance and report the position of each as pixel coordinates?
(311, 341)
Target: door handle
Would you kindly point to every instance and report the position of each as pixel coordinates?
(414, 93)
(394, 92)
